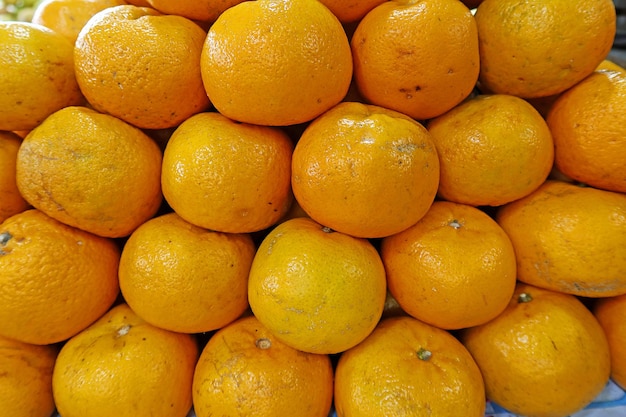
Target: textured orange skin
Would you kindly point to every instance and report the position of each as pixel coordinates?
(68, 17)
(540, 48)
(569, 239)
(91, 171)
(588, 123)
(547, 357)
(238, 375)
(36, 75)
(141, 66)
(123, 366)
(26, 383)
(276, 62)
(611, 314)
(227, 176)
(317, 290)
(454, 268)
(56, 280)
(349, 11)
(405, 59)
(11, 201)
(203, 10)
(493, 149)
(183, 278)
(383, 375)
(365, 170)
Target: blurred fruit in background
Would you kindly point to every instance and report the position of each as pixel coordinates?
(21, 10)
(36, 75)
(69, 16)
(199, 10)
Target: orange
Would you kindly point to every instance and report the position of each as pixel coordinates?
(245, 370)
(123, 366)
(569, 238)
(544, 356)
(68, 17)
(183, 278)
(203, 10)
(315, 289)
(26, 383)
(276, 62)
(416, 57)
(408, 368)
(540, 48)
(454, 268)
(92, 171)
(36, 75)
(141, 66)
(493, 149)
(140, 3)
(610, 65)
(611, 314)
(11, 201)
(349, 11)
(55, 281)
(227, 176)
(365, 170)
(588, 123)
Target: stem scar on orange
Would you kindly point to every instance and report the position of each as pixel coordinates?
(245, 370)
(545, 355)
(454, 268)
(406, 367)
(122, 366)
(317, 290)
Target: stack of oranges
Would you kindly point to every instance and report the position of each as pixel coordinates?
(287, 207)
